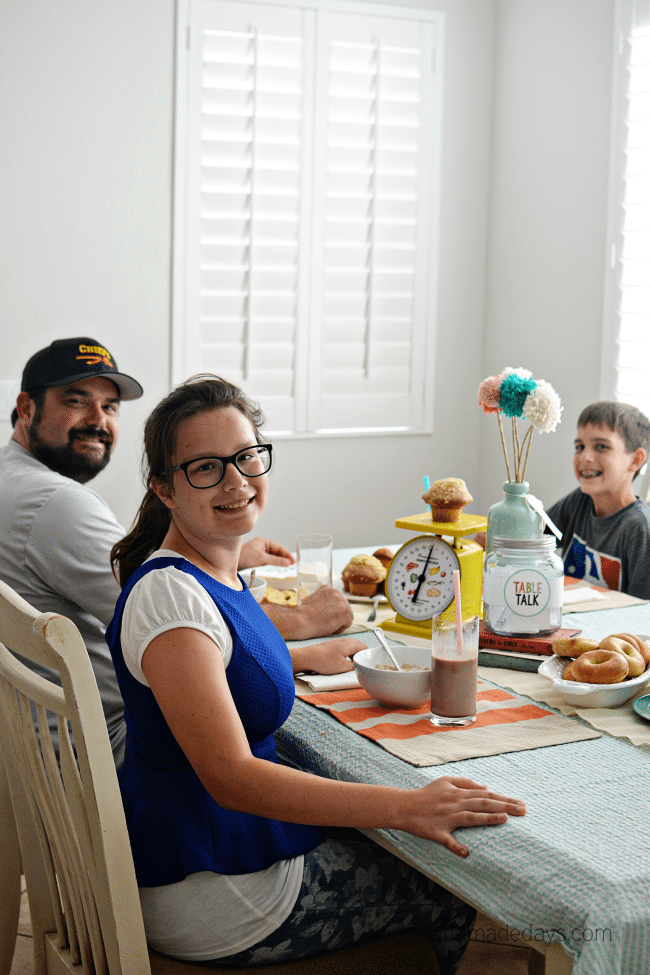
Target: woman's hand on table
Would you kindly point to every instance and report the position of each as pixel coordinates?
(331, 657)
(451, 803)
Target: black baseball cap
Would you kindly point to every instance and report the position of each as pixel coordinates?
(70, 360)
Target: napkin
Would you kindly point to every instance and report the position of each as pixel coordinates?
(330, 682)
(582, 594)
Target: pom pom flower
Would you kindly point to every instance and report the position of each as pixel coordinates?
(489, 393)
(514, 390)
(542, 408)
(517, 395)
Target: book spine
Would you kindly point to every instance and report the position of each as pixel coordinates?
(518, 644)
(487, 659)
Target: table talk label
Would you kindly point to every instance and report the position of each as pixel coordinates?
(522, 600)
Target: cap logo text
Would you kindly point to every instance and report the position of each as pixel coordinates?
(92, 355)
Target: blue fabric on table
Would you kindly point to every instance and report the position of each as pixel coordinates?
(575, 869)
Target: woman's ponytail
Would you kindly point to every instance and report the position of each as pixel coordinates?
(148, 531)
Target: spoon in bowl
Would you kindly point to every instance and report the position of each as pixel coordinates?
(382, 639)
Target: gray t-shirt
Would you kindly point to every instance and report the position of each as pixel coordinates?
(613, 551)
(55, 541)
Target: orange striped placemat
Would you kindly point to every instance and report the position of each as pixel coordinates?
(504, 723)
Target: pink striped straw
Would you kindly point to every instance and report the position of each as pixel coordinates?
(459, 611)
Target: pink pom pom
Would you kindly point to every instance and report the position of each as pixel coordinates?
(489, 393)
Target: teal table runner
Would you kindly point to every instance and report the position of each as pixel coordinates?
(575, 870)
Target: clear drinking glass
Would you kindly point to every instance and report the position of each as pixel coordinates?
(454, 672)
(313, 562)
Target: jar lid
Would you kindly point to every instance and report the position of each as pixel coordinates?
(546, 543)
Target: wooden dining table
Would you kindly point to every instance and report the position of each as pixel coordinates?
(571, 879)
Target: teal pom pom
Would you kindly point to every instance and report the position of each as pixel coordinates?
(514, 391)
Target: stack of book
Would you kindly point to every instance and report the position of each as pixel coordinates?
(517, 652)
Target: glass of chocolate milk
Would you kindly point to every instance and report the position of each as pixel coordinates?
(454, 673)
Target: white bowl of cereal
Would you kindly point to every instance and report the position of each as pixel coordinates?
(408, 688)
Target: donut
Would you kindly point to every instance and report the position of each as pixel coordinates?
(573, 646)
(600, 667)
(567, 673)
(637, 642)
(635, 662)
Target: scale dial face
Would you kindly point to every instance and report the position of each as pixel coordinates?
(420, 582)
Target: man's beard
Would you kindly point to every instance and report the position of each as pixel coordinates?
(67, 460)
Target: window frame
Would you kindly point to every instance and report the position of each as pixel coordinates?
(625, 12)
(185, 332)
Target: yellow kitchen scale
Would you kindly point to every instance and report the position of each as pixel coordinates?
(420, 580)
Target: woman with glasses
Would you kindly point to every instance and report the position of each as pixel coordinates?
(233, 865)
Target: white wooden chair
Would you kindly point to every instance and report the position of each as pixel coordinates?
(74, 846)
(10, 871)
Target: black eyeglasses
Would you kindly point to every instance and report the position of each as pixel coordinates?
(206, 472)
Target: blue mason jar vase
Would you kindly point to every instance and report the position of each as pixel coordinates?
(513, 517)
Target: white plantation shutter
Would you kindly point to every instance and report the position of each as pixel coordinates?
(632, 255)
(372, 158)
(307, 172)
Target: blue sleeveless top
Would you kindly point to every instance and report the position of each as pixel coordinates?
(175, 826)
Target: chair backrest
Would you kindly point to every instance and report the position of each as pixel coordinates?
(10, 871)
(83, 898)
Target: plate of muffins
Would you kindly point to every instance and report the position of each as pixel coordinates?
(362, 579)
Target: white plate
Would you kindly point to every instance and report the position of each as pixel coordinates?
(591, 695)
(338, 584)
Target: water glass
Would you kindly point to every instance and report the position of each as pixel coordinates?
(313, 562)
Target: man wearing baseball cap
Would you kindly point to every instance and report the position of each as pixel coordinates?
(56, 534)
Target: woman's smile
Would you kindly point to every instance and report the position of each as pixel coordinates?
(234, 506)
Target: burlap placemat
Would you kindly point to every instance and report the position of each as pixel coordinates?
(613, 598)
(505, 723)
(621, 722)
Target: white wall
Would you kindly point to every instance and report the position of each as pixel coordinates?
(548, 212)
(85, 169)
(86, 99)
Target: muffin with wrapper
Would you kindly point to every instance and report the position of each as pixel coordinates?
(385, 556)
(447, 498)
(363, 575)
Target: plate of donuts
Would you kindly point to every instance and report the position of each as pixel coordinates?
(590, 694)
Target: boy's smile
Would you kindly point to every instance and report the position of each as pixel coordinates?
(604, 468)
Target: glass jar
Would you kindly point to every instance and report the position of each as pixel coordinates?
(523, 585)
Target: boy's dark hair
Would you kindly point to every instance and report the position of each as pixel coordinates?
(631, 424)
